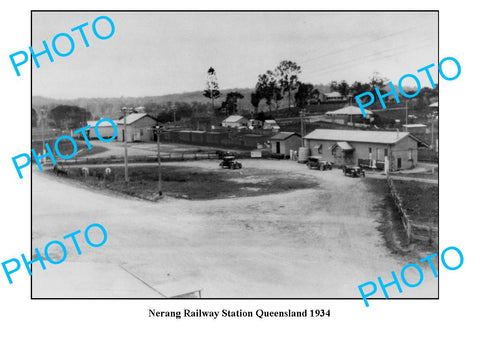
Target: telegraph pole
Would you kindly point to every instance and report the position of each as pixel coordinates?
(124, 111)
(301, 125)
(159, 163)
(433, 147)
(43, 116)
(406, 112)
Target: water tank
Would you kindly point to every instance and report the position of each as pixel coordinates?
(303, 154)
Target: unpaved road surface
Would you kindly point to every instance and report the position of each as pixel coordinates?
(319, 242)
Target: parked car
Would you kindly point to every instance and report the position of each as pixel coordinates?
(317, 163)
(354, 171)
(229, 162)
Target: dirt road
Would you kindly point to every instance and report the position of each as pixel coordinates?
(320, 242)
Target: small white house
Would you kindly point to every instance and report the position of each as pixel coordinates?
(334, 97)
(105, 129)
(348, 112)
(235, 121)
(139, 128)
(271, 124)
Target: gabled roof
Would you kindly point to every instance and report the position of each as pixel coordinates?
(133, 117)
(233, 119)
(333, 94)
(284, 135)
(344, 146)
(414, 125)
(270, 121)
(92, 123)
(349, 110)
(380, 137)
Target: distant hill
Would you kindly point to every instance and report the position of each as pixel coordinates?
(110, 107)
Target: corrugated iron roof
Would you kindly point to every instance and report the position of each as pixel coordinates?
(414, 125)
(333, 94)
(132, 118)
(284, 135)
(381, 137)
(92, 123)
(233, 119)
(349, 110)
(344, 146)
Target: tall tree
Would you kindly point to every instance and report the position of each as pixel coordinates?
(304, 93)
(275, 87)
(231, 102)
(377, 81)
(287, 73)
(255, 100)
(211, 91)
(359, 88)
(69, 116)
(265, 90)
(343, 88)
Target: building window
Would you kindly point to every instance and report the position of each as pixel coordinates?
(141, 132)
(320, 149)
(410, 154)
(369, 150)
(385, 152)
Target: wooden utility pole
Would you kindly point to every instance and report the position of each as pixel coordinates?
(159, 162)
(406, 112)
(124, 111)
(43, 118)
(301, 125)
(433, 146)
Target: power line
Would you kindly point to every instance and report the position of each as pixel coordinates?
(359, 60)
(359, 44)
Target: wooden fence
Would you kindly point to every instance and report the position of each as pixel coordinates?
(170, 157)
(414, 231)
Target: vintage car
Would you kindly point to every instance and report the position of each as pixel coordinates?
(316, 162)
(229, 162)
(353, 170)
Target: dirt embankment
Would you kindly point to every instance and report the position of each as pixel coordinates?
(390, 224)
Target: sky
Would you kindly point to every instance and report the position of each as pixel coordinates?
(157, 53)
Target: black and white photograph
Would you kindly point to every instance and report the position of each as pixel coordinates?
(223, 154)
(214, 170)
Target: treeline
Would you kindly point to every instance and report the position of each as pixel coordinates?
(277, 89)
(67, 117)
(62, 117)
(420, 102)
